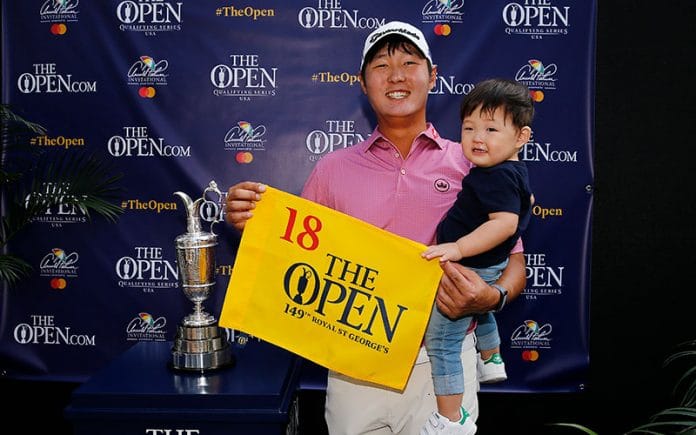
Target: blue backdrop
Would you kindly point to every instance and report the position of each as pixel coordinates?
(177, 93)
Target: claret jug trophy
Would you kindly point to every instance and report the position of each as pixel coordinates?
(199, 344)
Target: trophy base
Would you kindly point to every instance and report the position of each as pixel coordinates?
(200, 348)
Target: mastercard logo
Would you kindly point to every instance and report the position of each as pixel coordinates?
(537, 96)
(530, 355)
(59, 29)
(442, 29)
(244, 157)
(147, 92)
(58, 283)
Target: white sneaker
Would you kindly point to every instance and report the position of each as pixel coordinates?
(491, 370)
(440, 425)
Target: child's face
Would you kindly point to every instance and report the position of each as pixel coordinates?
(490, 138)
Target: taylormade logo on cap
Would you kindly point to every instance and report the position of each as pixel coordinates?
(409, 34)
(397, 27)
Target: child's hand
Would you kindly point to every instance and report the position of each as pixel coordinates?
(446, 252)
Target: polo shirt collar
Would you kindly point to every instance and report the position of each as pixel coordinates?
(429, 135)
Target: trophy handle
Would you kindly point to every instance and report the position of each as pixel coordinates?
(213, 187)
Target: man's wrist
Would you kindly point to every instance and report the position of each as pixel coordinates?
(503, 294)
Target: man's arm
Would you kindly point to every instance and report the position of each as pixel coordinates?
(462, 292)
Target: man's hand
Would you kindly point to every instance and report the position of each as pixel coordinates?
(241, 200)
(463, 293)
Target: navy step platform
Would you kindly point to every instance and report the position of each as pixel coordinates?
(138, 393)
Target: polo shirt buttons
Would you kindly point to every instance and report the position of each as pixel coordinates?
(403, 171)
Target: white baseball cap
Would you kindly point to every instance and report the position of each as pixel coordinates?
(399, 28)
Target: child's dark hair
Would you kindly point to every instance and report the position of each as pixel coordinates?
(491, 94)
(393, 42)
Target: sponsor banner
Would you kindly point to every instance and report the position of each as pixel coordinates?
(172, 93)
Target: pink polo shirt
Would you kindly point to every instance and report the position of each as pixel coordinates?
(406, 196)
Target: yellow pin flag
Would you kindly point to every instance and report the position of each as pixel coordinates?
(331, 288)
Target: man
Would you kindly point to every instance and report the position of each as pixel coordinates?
(403, 178)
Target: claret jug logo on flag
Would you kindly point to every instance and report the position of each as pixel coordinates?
(331, 288)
